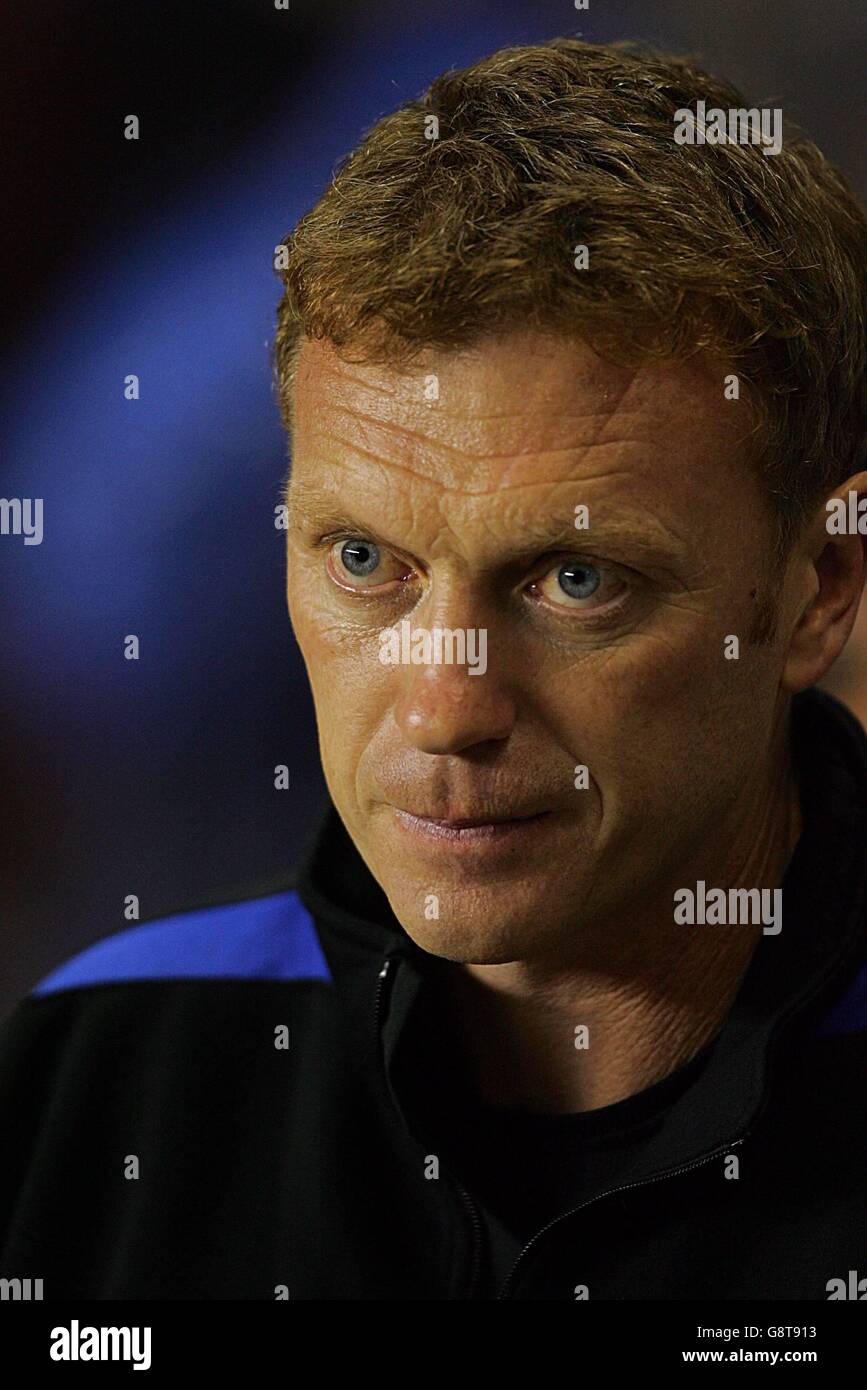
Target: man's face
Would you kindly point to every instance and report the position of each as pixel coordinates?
(605, 642)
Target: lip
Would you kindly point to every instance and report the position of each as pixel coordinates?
(464, 830)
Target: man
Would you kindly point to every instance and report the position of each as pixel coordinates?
(567, 999)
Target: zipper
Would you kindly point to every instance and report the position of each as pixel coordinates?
(611, 1192)
(477, 1236)
(386, 974)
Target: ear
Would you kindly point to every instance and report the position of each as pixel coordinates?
(830, 567)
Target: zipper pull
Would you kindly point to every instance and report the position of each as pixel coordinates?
(381, 980)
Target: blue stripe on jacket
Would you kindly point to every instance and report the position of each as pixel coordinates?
(269, 938)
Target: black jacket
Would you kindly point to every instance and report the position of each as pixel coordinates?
(243, 1102)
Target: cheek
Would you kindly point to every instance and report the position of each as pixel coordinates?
(331, 648)
(351, 694)
(657, 720)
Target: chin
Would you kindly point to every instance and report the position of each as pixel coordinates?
(463, 946)
(479, 933)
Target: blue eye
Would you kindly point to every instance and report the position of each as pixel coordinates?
(360, 558)
(578, 580)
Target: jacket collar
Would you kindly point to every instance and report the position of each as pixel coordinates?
(390, 984)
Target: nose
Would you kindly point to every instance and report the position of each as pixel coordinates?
(445, 708)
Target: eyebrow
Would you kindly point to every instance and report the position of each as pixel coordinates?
(642, 537)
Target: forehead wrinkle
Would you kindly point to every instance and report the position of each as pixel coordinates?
(338, 373)
(522, 422)
(630, 528)
(454, 483)
(621, 399)
(553, 375)
(558, 408)
(550, 412)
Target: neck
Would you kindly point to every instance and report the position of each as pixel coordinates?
(650, 996)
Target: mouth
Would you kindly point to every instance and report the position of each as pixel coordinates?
(470, 829)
